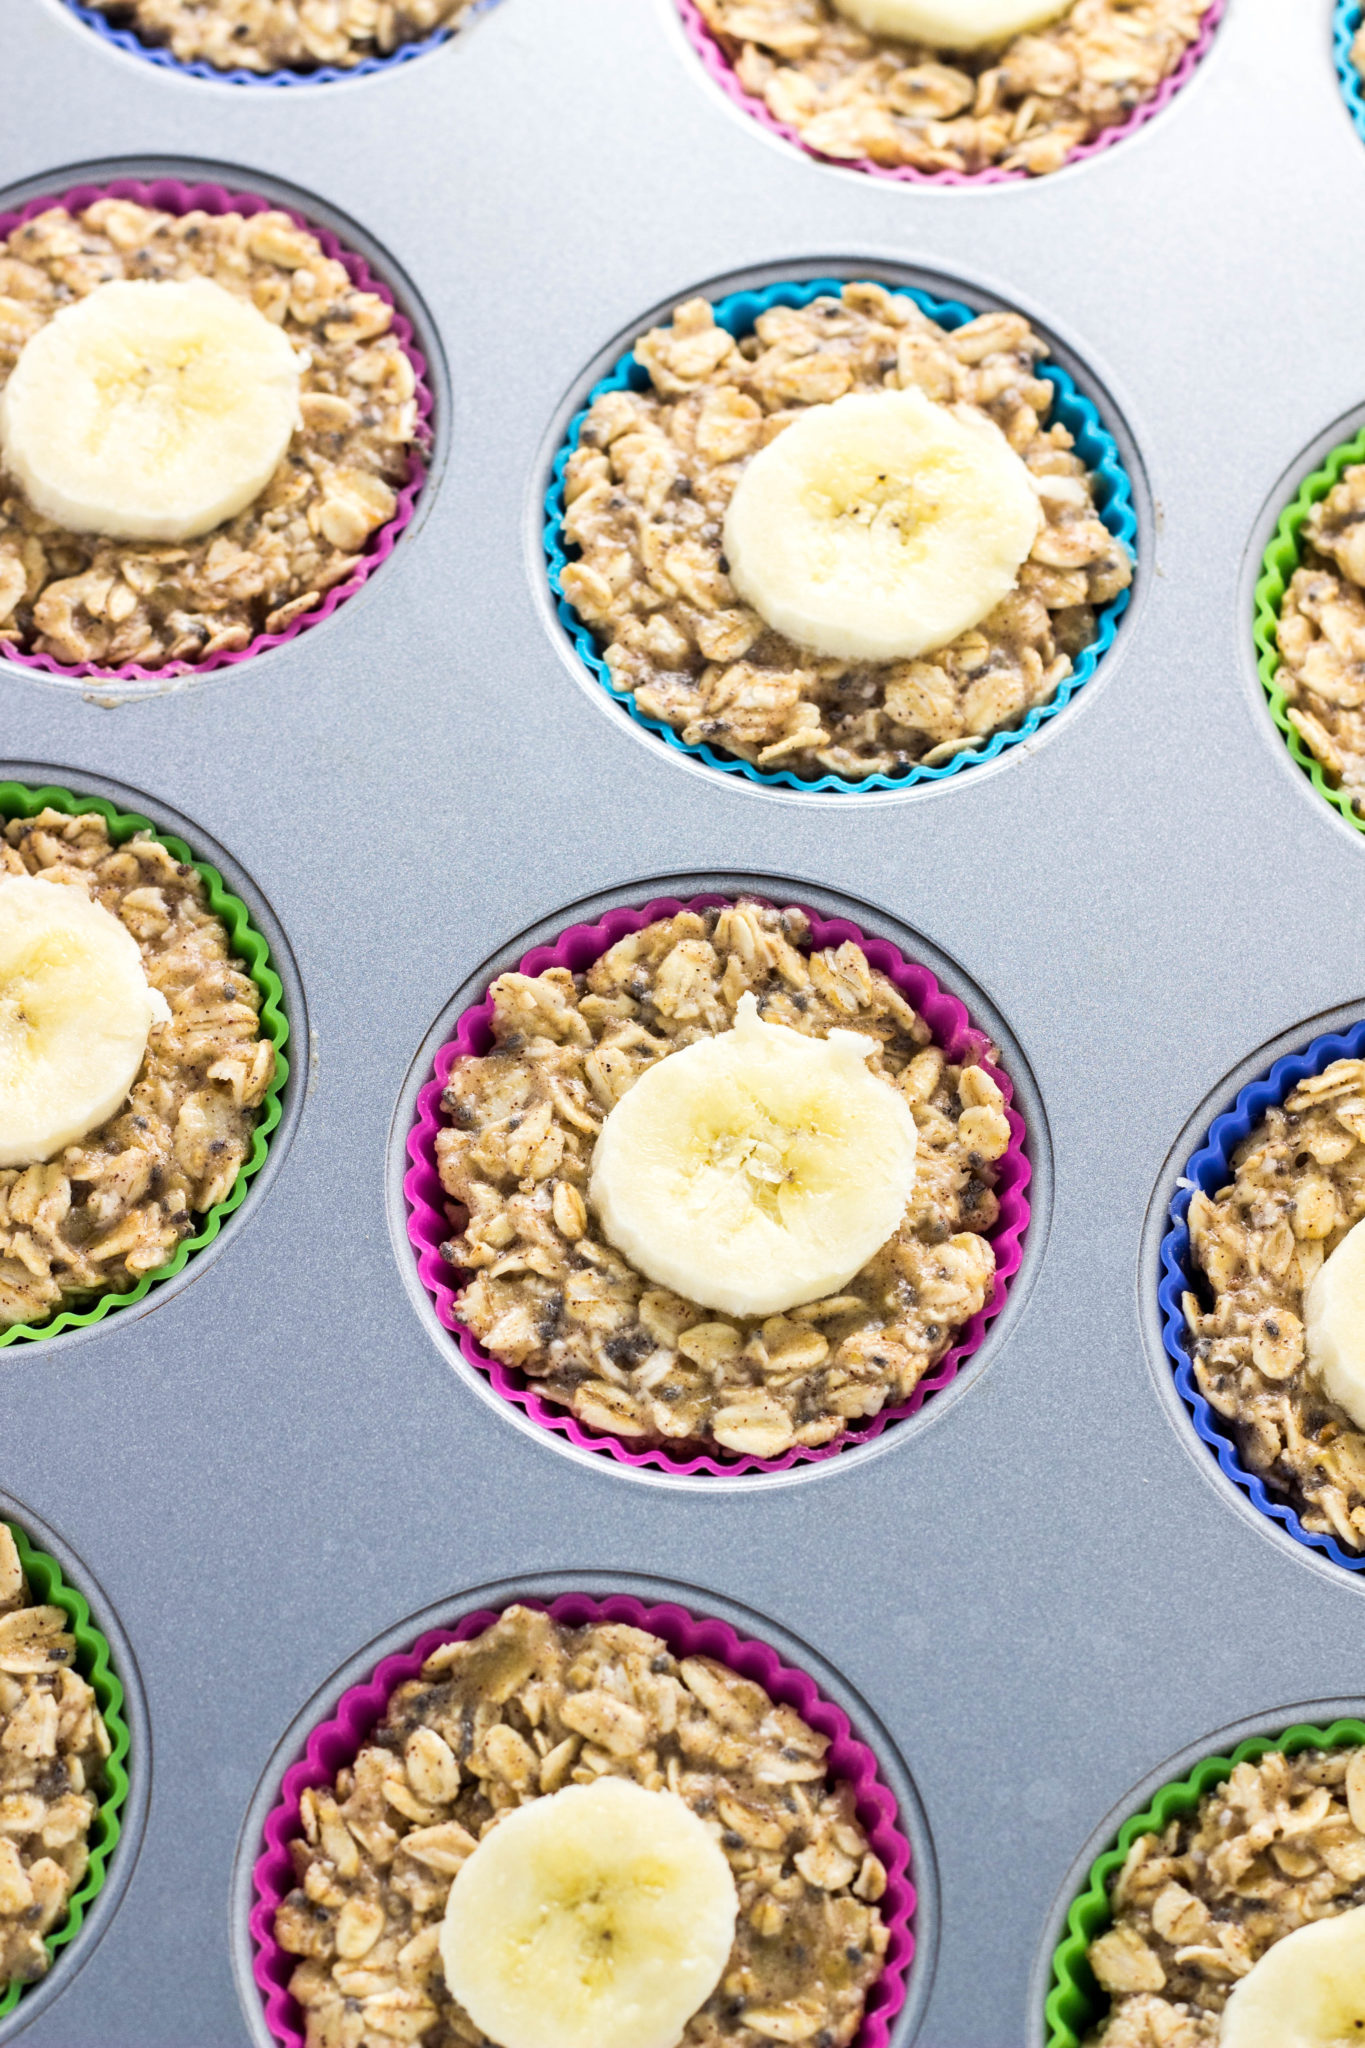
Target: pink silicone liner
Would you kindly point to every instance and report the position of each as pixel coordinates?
(337, 1742)
(170, 195)
(577, 949)
(721, 70)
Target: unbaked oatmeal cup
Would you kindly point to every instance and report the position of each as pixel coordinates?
(78, 603)
(278, 42)
(419, 1768)
(1215, 1913)
(63, 1747)
(656, 470)
(510, 1206)
(1349, 44)
(1263, 1206)
(1310, 628)
(905, 110)
(91, 1219)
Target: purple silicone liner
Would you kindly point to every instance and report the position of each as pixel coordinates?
(577, 949)
(722, 72)
(171, 195)
(337, 1742)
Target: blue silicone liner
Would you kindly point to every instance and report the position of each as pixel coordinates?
(1209, 1170)
(1096, 447)
(327, 74)
(1345, 22)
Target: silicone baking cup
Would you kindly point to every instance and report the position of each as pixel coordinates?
(171, 195)
(132, 44)
(1076, 2004)
(1281, 559)
(338, 1741)
(93, 1662)
(722, 72)
(1209, 1170)
(1097, 448)
(19, 801)
(1345, 24)
(577, 949)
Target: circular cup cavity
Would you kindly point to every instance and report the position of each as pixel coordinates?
(721, 72)
(1200, 1158)
(1273, 554)
(1346, 19)
(129, 43)
(960, 1016)
(180, 186)
(104, 1656)
(1082, 402)
(258, 938)
(335, 1722)
(1064, 2001)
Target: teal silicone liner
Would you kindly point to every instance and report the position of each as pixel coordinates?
(17, 799)
(1345, 23)
(1096, 447)
(1282, 558)
(1076, 2004)
(94, 1663)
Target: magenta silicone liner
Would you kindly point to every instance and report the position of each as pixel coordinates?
(577, 949)
(337, 1742)
(720, 69)
(171, 195)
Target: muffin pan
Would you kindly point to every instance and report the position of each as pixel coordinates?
(1042, 1584)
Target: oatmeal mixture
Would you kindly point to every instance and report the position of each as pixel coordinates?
(1298, 1185)
(115, 1206)
(1322, 637)
(647, 490)
(79, 597)
(281, 35)
(1025, 107)
(551, 1296)
(53, 1744)
(526, 1708)
(1281, 1843)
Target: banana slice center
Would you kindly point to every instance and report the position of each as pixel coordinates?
(756, 1170)
(882, 526)
(1334, 1325)
(1308, 1991)
(601, 1916)
(953, 24)
(75, 1014)
(150, 410)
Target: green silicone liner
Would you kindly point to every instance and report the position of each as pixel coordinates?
(1076, 2003)
(17, 800)
(1281, 559)
(93, 1662)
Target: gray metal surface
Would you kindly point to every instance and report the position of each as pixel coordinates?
(1039, 1593)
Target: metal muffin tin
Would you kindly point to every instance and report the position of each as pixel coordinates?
(1043, 1588)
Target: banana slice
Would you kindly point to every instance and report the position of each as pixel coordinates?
(756, 1170)
(599, 1917)
(150, 411)
(1334, 1325)
(881, 526)
(953, 24)
(1308, 1991)
(75, 1012)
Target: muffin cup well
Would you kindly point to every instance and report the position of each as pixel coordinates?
(738, 313)
(577, 949)
(1075, 2002)
(172, 195)
(337, 1741)
(17, 800)
(722, 72)
(1283, 556)
(93, 1661)
(1346, 21)
(127, 40)
(1208, 1170)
